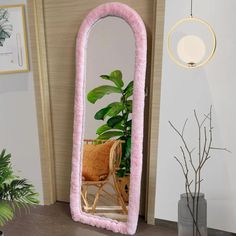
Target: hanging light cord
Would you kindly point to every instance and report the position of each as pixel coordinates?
(191, 9)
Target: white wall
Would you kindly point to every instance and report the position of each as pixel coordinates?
(18, 122)
(184, 90)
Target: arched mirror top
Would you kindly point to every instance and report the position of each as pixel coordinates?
(118, 10)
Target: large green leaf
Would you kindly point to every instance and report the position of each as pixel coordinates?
(100, 115)
(124, 167)
(106, 77)
(115, 77)
(102, 129)
(110, 134)
(101, 91)
(112, 109)
(129, 89)
(113, 121)
(115, 109)
(105, 128)
(119, 126)
(128, 147)
(129, 105)
(6, 212)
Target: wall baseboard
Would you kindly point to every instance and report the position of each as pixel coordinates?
(173, 225)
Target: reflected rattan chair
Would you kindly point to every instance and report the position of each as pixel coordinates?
(109, 180)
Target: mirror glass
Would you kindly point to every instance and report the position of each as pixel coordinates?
(110, 67)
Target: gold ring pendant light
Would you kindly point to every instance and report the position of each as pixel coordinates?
(188, 44)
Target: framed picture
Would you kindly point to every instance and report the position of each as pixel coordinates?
(13, 40)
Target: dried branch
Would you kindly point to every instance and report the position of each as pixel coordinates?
(185, 144)
(206, 117)
(184, 127)
(221, 149)
(205, 143)
(185, 160)
(204, 149)
(182, 166)
(192, 164)
(198, 171)
(200, 181)
(190, 182)
(207, 150)
(192, 150)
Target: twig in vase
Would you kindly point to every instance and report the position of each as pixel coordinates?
(189, 166)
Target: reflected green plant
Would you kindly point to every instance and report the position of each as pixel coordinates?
(116, 115)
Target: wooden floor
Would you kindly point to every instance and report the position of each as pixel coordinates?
(56, 221)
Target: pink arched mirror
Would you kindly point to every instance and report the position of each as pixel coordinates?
(108, 118)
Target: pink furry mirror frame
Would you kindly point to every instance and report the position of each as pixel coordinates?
(135, 22)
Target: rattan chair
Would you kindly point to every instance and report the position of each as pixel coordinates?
(109, 180)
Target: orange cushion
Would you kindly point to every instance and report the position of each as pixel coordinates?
(96, 161)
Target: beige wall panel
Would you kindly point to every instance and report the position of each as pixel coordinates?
(62, 22)
(39, 66)
(154, 108)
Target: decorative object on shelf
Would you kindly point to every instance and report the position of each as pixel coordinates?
(112, 35)
(13, 40)
(192, 207)
(15, 193)
(186, 47)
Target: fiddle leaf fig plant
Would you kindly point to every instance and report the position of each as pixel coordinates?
(116, 115)
(15, 192)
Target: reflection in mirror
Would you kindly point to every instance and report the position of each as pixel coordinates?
(108, 121)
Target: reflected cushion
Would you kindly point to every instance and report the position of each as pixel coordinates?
(96, 161)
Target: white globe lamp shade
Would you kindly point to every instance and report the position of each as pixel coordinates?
(191, 50)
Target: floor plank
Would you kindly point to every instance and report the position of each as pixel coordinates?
(55, 220)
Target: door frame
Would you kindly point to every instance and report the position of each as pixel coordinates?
(35, 10)
(154, 108)
(42, 93)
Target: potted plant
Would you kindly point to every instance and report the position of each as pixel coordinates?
(192, 207)
(15, 192)
(118, 122)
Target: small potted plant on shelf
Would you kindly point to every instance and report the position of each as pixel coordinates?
(118, 122)
(192, 207)
(15, 192)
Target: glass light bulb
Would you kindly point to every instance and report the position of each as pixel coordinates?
(191, 49)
